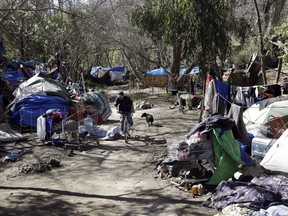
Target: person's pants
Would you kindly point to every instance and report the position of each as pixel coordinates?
(129, 119)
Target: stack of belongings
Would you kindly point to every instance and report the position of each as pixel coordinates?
(209, 154)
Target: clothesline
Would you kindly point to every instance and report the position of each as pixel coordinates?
(249, 106)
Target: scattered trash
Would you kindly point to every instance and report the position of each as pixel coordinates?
(197, 190)
(12, 156)
(41, 167)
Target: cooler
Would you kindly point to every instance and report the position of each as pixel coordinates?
(260, 146)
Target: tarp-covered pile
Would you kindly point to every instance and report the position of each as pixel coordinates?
(159, 77)
(104, 75)
(251, 189)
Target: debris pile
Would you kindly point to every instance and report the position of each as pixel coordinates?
(40, 167)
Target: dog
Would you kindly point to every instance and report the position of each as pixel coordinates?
(149, 118)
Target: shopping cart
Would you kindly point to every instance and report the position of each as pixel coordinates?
(75, 129)
(69, 131)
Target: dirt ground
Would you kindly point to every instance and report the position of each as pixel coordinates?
(113, 178)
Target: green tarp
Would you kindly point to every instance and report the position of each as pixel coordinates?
(227, 155)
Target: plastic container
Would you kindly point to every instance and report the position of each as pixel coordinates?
(260, 146)
(81, 129)
(174, 91)
(88, 124)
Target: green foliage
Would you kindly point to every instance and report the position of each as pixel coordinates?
(200, 26)
(241, 52)
(116, 58)
(282, 32)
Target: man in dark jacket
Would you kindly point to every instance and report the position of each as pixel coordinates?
(124, 105)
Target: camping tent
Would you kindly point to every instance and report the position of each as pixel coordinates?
(277, 107)
(117, 73)
(276, 157)
(102, 75)
(27, 110)
(100, 101)
(40, 84)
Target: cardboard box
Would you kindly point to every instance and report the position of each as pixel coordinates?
(260, 146)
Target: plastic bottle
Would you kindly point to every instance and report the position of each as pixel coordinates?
(88, 123)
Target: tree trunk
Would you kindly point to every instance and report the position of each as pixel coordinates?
(279, 70)
(261, 44)
(272, 17)
(191, 66)
(176, 62)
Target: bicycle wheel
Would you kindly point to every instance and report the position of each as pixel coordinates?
(126, 129)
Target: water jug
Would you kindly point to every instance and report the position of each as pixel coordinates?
(88, 123)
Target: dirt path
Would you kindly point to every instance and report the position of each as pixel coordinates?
(114, 178)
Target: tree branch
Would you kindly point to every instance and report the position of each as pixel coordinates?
(35, 10)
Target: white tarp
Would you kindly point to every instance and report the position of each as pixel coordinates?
(116, 75)
(253, 115)
(276, 158)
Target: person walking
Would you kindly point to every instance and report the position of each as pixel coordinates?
(124, 106)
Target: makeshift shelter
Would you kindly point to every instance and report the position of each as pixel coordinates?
(210, 140)
(19, 70)
(99, 76)
(40, 84)
(276, 157)
(27, 110)
(100, 102)
(103, 75)
(117, 73)
(195, 70)
(14, 77)
(260, 112)
(157, 77)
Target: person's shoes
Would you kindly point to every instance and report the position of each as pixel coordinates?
(131, 127)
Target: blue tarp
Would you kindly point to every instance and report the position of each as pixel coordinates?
(31, 63)
(195, 70)
(28, 109)
(161, 71)
(14, 76)
(156, 72)
(95, 70)
(118, 69)
(2, 49)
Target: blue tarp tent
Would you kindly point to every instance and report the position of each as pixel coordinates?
(119, 69)
(117, 73)
(161, 71)
(195, 70)
(95, 70)
(156, 72)
(28, 109)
